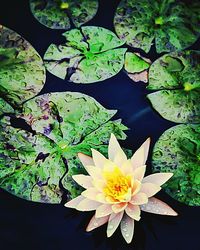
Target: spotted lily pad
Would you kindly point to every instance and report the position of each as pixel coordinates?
(90, 54)
(63, 14)
(177, 77)
(178, 151)
(137, 67)
(173, 24)
(22, 74)
(34, 159)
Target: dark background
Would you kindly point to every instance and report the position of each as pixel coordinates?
(27, 225)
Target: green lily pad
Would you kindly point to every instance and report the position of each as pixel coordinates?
(62, 14)
(178, 151)
(22, 74)
(34, 162)
(177, 77)
(173, 24)
(5, 107)
(137, 67)
(90, 54)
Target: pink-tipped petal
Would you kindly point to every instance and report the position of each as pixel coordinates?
(94, 172)
(119, 207)
(158, 179)
(103, 211)
(113, 223)
(90, 193)
(127, 228)
(150, 189)
(96, 222)
(139, 173)
(85, 159)
(157, 206)
(83, 180)
(139, 199)
(133, 211)
(115, 153)
(98, 158)
(74, 203)
(88, 205)
(141, 155)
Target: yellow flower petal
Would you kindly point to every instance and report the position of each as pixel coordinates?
(127, 228)
(74, 203)
(115, 153)
(99, 184)
(133, 211)
(94, 172)
(90, 193)
(85, 159)
(140, 156)
(119, 207)
(157, 206)
(101, 198)
(127, 167)
(139, 199)
(103, 210)
(150, 189)
(113, 223)
(88, 205)
(83, 180)
(96, 222)
(158, 179)
(139, 173)
(98, 158)
(136, 187)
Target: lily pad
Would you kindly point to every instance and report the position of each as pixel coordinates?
(178, 151)
(173, 24)
(177, 77)
(22, 74)
(5, 107)
(90, 54)
(34, 159)
(137, 67)
(63, 14)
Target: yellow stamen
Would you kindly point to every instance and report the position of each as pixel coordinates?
(118, 185)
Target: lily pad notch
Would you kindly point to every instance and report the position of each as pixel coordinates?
(90, 54)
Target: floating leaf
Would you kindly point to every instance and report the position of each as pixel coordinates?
(22, 74)
(61, 14)
(178, 151)
(33, 162)
(90, 54)
(137, 67)
(173, 24)
(177, 77)
(5, 107)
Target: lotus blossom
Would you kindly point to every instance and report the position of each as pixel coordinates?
(117, 189)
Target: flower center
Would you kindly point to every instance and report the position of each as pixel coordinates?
(118, 186)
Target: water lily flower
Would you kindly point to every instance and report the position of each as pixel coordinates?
(117, 189)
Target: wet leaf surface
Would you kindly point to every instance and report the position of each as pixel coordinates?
(90, 54)
(22, 74)
(173, 24)
(34, 161)
(58, 14)
(177, 77)
(178, 151)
